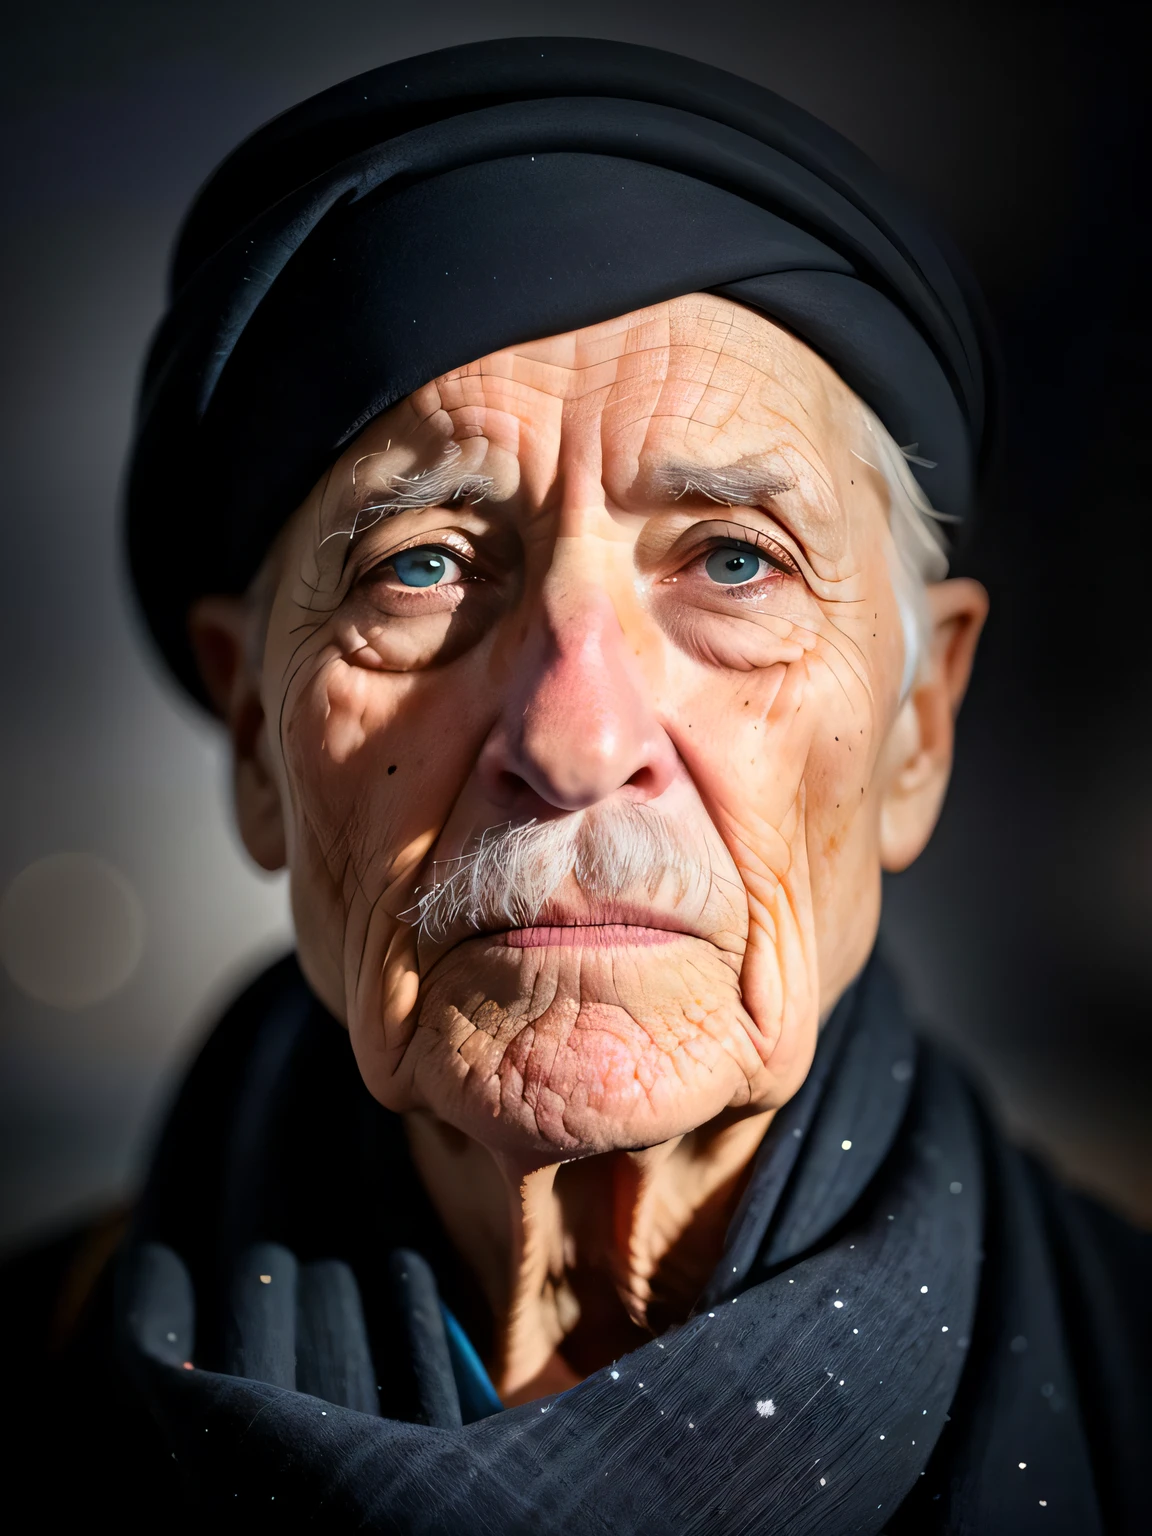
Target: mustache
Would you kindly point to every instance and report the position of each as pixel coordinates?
(511, 873)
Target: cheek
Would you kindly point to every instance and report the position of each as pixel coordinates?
(838, 781)
(340, 786)
(758, 738)
(373, 761)
(761, 645)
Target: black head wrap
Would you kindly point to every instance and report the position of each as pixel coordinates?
(429, 212)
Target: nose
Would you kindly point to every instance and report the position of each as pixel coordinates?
(578, 723)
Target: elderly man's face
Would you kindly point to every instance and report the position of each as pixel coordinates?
(578, 725)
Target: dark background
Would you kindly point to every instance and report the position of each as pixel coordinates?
(1023, 932)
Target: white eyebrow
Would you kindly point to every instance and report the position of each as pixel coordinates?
(744, 484)
(440, 484)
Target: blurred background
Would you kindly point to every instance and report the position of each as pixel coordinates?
(128, 914)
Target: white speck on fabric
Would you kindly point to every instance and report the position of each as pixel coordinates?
(766, 1408)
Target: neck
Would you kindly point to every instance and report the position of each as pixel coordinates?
(579, 1262)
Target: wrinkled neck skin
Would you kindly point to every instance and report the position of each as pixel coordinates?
(658, 611)
(581, 1262)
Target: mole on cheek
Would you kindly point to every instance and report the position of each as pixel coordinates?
(392, 768)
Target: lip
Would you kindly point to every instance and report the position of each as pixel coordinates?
(593, 925)
(562, 924)
(587, 936)
(600, 925)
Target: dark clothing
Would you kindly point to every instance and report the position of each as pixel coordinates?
(912, 1331)
(425, 214)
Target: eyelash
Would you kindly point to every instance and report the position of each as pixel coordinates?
(467, 563)
(767, 548)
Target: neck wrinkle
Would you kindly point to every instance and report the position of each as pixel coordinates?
(582, 1262)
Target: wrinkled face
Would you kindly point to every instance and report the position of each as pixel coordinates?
(578, 669)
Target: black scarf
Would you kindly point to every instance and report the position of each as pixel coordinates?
(906, 1333)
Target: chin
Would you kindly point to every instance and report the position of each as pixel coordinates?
(552, 1045)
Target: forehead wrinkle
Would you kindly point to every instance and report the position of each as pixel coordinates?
(615, 351)
(725, 404)
(561, 381)
(696, 395)
(723, 386)
(714, 314)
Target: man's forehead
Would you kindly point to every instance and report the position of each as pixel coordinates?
(697, 397)
(698, 339)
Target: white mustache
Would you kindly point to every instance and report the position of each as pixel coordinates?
(512, 872)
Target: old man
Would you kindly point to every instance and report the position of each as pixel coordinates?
(544, 472)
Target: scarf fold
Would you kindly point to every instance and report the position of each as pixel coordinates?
(855, 1364)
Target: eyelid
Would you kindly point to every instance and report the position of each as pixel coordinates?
(716, 535)
(452, 540)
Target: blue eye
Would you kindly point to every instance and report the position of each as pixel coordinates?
(425, 568)
(730, 565)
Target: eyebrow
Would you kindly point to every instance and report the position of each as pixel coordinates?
(743, 484)
(746, 483)
(441, 484)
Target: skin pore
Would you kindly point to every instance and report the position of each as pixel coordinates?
(640, 570)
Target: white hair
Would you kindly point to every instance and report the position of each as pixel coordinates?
(508, 874)
(919, 551)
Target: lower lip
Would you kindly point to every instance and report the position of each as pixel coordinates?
(589, 936)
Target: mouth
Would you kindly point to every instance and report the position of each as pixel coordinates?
(565, 924)
(587, 936)
(598, 925)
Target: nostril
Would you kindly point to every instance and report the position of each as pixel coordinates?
(647, 781)
(510, 787)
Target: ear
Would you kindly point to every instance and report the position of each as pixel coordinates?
(220, 629)
(916, 762)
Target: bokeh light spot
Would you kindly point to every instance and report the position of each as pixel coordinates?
(71, 930)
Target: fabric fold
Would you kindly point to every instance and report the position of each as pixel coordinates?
(857, 1377)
